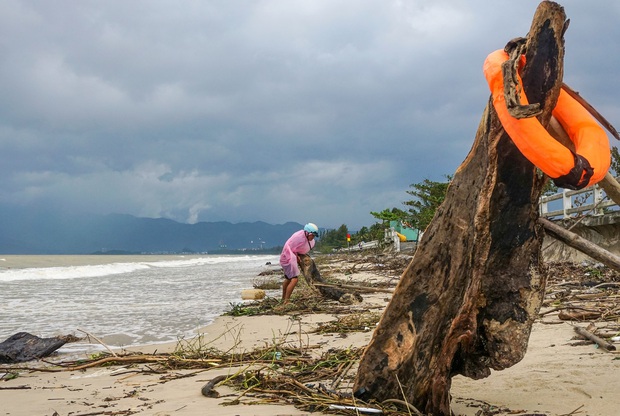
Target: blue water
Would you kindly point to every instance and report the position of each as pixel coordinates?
(123, 300)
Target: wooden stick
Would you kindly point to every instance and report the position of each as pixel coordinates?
(599, 341)
(581, 244)
(611, 187)
(99, 341)
(339, 379)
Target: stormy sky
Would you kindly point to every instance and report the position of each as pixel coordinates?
(259, 110)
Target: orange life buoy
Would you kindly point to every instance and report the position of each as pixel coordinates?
(592, 157)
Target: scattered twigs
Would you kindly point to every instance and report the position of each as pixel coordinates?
(163, 359)
(16, 388)
(574, 412)
(584, 293)
(362, 289)
(350, 323)
(404, 404)
(598, 341)
(343, 373)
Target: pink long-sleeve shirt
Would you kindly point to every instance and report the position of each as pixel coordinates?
(298, 243)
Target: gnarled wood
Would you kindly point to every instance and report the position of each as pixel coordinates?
(312, 276)
(23, 347)
(467, 301)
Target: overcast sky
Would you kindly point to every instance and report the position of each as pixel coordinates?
(274, 110)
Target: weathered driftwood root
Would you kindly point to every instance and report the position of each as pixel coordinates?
(207, 389)
(474, 287)
(23, 347)
(312, 275)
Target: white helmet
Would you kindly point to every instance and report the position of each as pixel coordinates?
(312, 228)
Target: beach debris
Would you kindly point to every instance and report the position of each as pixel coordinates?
(368, 410)
(358, 322)
(356, 288)
(88, 334)
(252, 294)
(23, 347)
(268, 282)
(571, 314)
(579, 293)
(608, 346)
(208, 391)
(313, 276)
(264, 375)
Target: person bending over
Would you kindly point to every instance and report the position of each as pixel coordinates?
(301, 242)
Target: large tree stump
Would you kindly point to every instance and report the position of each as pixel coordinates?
(467, 301)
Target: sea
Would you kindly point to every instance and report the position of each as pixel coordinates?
(124, 300)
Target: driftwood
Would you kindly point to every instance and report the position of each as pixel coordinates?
(23, 347)
(581, 244)
(467, 301)
(573, 314)
(208, 389)
(99, 341)
(598, 341)
(312, 276)
(611, 187)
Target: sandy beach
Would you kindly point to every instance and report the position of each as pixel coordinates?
(558, 376)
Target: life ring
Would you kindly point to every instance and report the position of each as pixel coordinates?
(592, 157)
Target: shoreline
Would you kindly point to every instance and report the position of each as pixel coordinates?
(557, 376)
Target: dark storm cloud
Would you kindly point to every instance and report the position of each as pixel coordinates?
(262, 110)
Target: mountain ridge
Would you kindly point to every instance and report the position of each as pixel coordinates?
(30, 232)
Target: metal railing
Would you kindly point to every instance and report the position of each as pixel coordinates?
(566, 204)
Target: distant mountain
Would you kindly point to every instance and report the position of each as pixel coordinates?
(29, 232)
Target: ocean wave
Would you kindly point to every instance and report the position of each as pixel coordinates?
(136, 303)
(100, 270)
